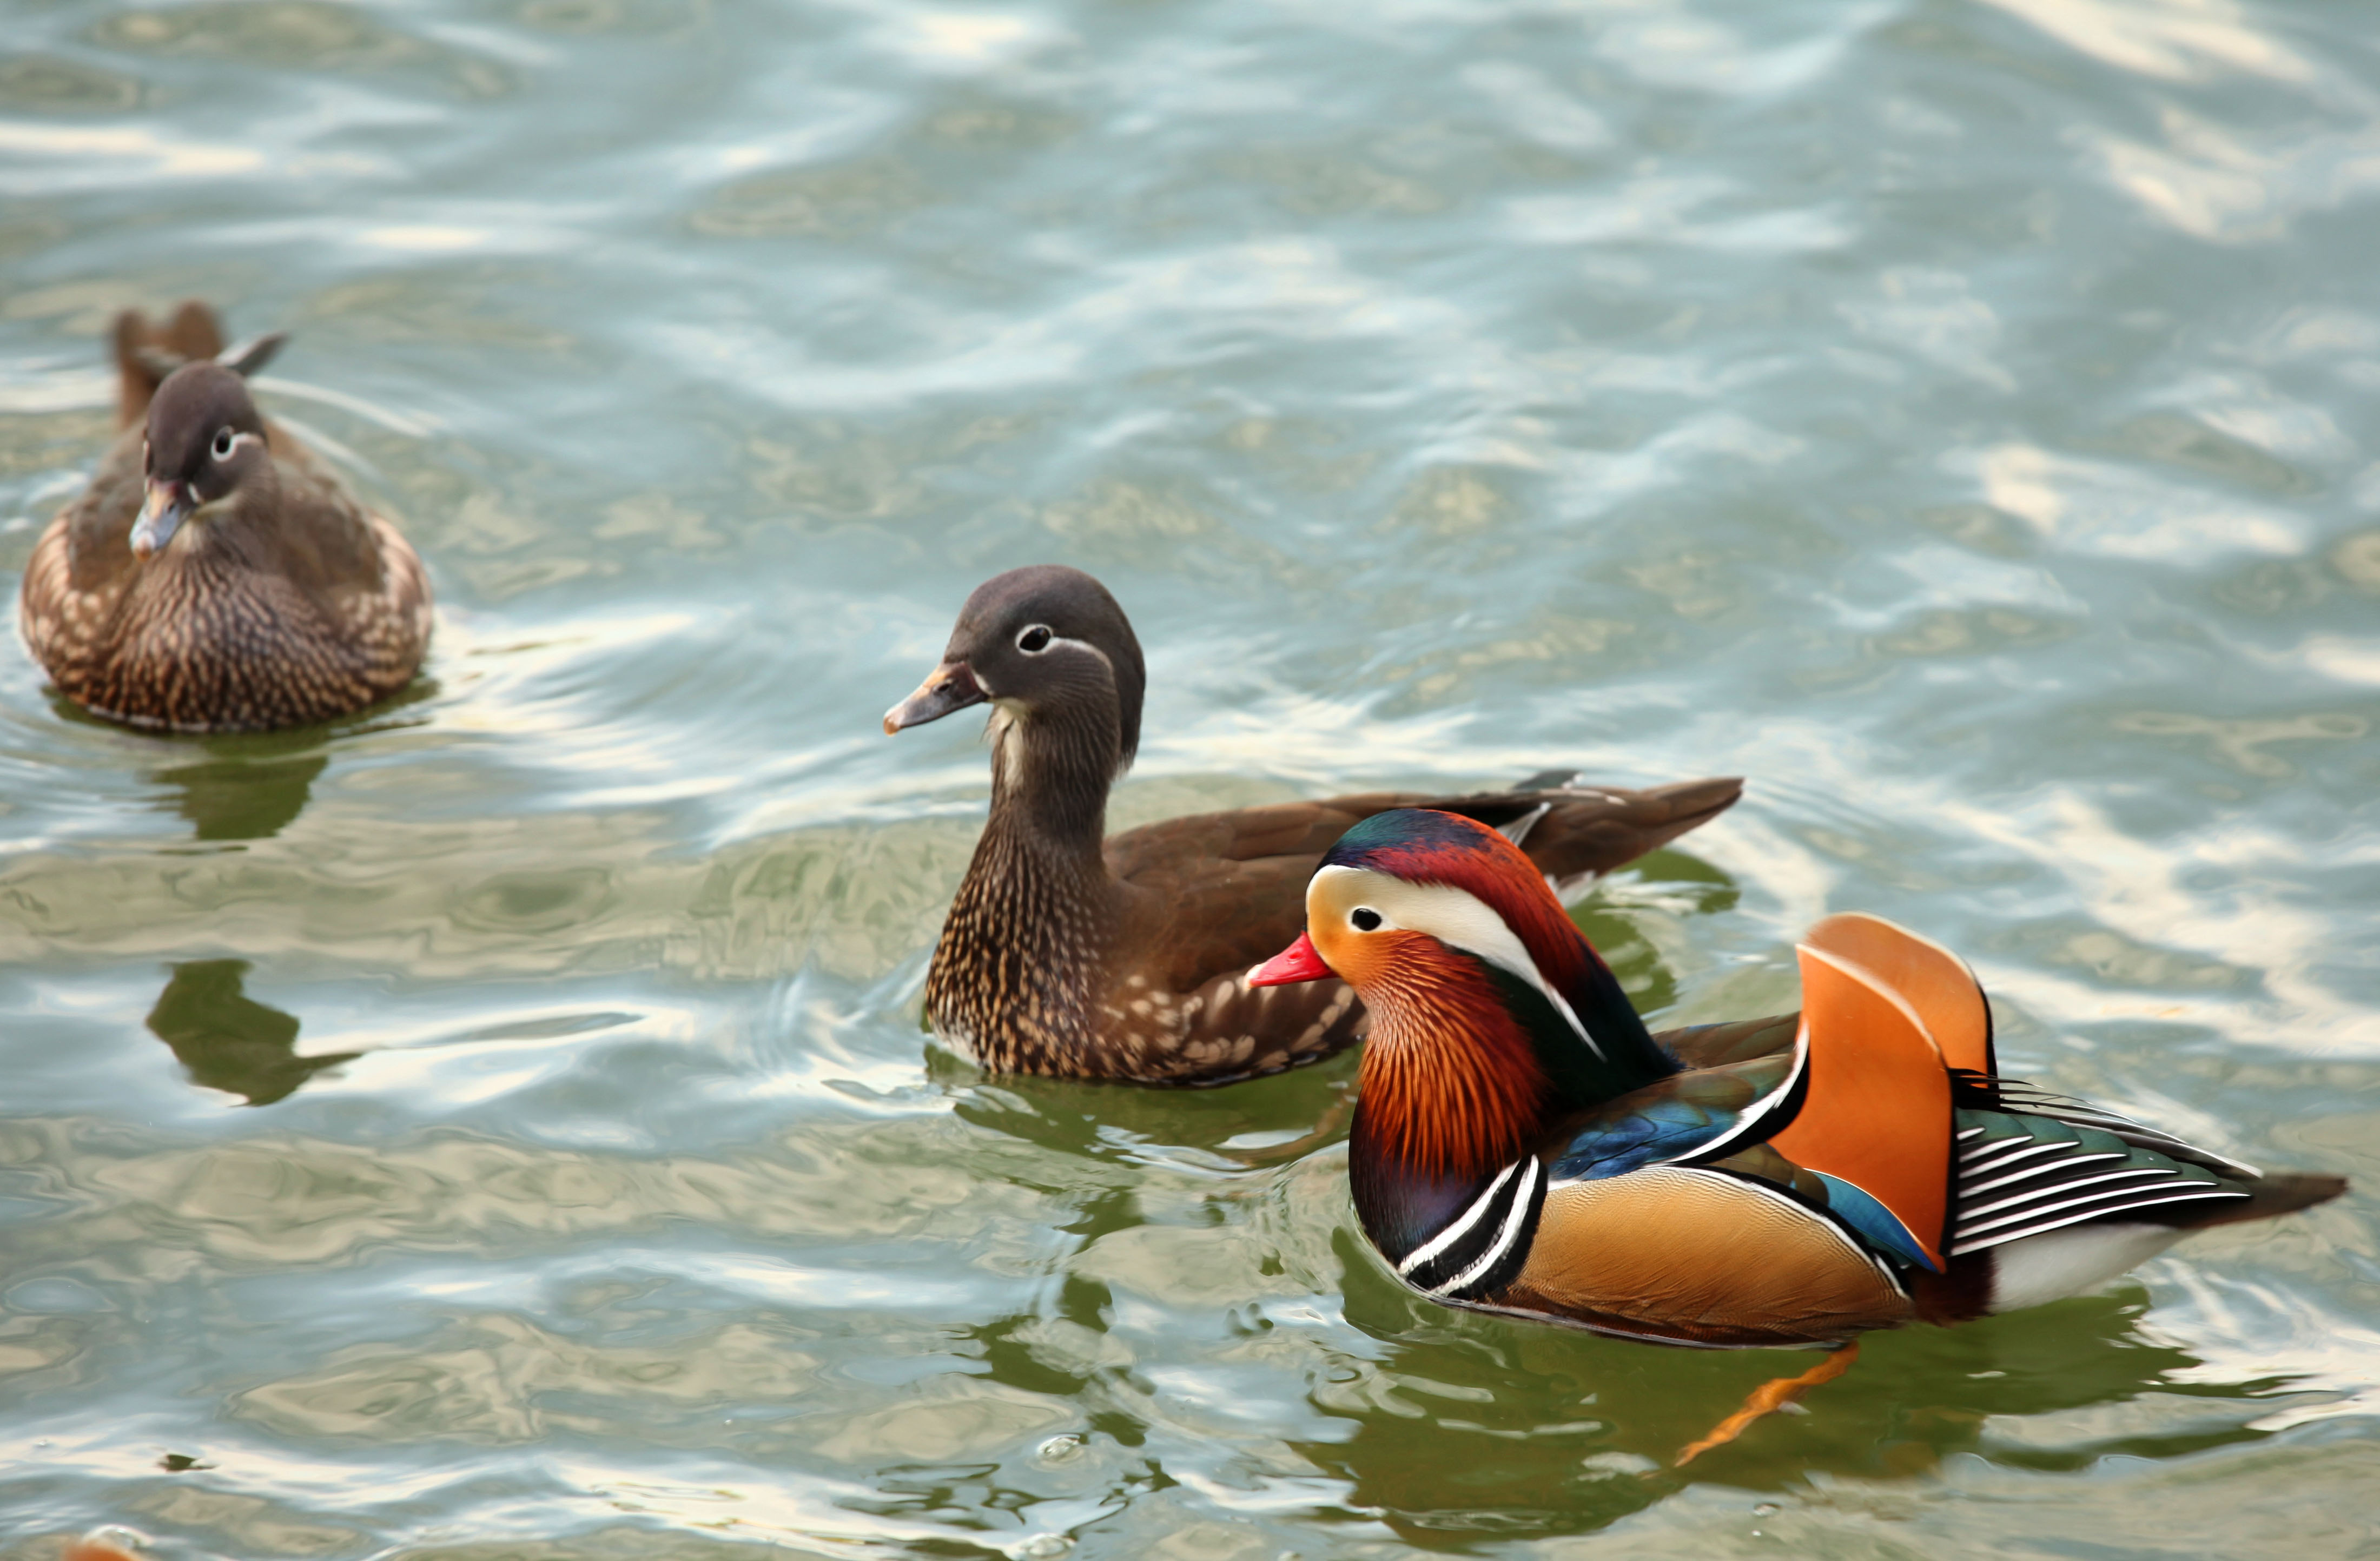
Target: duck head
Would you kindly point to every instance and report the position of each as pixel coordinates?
(205, 440)
(1054, 656)
(1490, 1015)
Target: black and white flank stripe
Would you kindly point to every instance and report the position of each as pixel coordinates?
(2064, 1162)
(1479, 1250)
(2018, 1096)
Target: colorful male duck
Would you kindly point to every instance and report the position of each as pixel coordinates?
(1066, 953)
(1523, 1144)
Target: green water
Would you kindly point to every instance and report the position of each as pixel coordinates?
(499, 1126)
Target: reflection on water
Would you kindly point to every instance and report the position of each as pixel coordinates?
(249, 798)
(1646, 905)
(228, 1040)
(1557, 1432)
(1250, 1124)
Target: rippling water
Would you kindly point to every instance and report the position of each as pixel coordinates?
(500, 1126)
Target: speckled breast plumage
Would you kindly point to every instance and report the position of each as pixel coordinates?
(217, 634)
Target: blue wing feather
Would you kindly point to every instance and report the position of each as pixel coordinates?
(1875, 1224)
(1675, 1118)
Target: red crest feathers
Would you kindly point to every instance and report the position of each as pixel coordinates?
(1421, 846)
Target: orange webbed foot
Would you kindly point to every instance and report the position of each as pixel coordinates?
(1768, 1397)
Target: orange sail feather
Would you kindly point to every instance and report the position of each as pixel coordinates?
(1935, 983)
(1878, 1110)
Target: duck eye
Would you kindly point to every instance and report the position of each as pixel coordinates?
(1365, 918)
(223, 443)
(1035, 640)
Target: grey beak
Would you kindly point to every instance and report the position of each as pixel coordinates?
(949, 687)
(169, 505)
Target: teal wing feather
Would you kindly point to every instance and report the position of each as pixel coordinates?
(2019, 1175)
(1868, 1221)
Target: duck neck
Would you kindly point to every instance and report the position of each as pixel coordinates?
(1012, 978)
(1049, 779)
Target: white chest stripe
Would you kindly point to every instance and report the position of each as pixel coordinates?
(1460, 1226)
(1522, 1197)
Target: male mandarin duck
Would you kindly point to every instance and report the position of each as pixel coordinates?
(215, 577)
(1069, 954)
(1524, 1144)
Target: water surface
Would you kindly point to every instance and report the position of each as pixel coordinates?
(499, 1125)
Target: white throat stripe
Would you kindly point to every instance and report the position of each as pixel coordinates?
(1504, 1237)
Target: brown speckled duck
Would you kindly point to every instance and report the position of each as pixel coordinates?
(1074, 955)
(215, 577)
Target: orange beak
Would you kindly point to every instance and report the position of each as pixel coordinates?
(1300, 962)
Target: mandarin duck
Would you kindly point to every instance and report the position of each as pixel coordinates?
(1072, 954)
(1523, 1144)
(215, 577)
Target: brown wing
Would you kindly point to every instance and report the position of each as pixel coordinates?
(75, 582)
(1716, 1045)
(1207, 898)
(1224, 892)
(1697, 1255)
(1225, 1031)
(49, 612)
(388, 628)
(1576, 833)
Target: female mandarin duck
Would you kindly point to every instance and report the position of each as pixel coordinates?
(213, 577)
(1523, 1144)
(1070, 954)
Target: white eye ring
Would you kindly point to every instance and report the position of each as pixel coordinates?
(1035, 639)
(224, 443)
(1363, 918)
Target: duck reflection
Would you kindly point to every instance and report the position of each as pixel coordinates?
(228, 1040)
(1263, 1122)
(240, 794)
(1555, 1432)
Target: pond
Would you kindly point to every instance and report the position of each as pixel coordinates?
(500, 1124)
